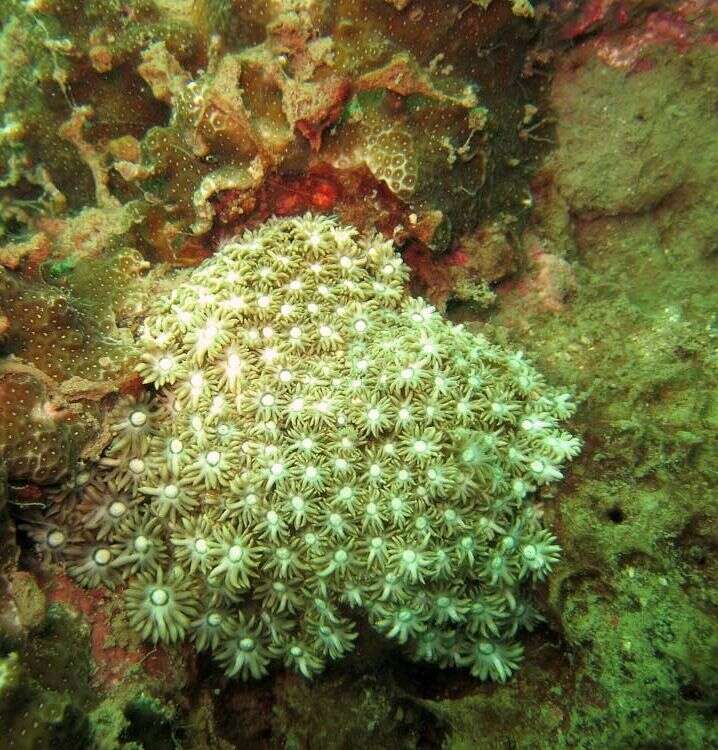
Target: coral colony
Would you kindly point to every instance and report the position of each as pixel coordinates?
(316, 447)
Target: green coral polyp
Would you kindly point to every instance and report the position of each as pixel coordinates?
(161, 610)
(314, 442)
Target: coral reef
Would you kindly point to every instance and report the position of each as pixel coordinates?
(319, 442)
(549, 182)
(238, 113)
(226, 99)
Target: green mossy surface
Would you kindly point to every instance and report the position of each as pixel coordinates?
(634, 601)
(48, 698)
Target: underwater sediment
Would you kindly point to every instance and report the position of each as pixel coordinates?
(277, 281)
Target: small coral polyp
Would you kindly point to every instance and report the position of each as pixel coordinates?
(316, 447)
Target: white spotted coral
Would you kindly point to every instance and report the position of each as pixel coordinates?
(316, 442)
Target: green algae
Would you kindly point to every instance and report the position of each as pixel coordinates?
(47, 697)
(634, 599)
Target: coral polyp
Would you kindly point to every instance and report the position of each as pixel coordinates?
(332, 445)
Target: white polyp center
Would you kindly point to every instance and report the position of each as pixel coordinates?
(296, 651)
(214, 619)
(276, 470)
(388, 269)
(267, 400)
(324, 407)
(138, 419)
(55, 539)
(213, 458)
(372, 509)
(409, 556)
(102, 556)
(325, 331)
(269, 355)
(373, 414)
(341, 556)
(171, 491)
(82, 478)
(264, 301)
(360, 326)
(295, 332)
(286, 309)
(247, 644)
(234, 362)
(235, 553)
(117, 509)
(297, 405)
(272, 518)
(397, 503)
(375, 470)
(311, 472)
(285, 376)
(142, 544)
(537, 466)
(529, 552)
(341, 464)
(223, 430)
(298, 504)
(362, 365)
(165, 364)
(136, 465)
(420, 446)
(295, 285)
(175, 446)
(201, 547)
(307, 444)
(197, 380)
(159, 597)
(407, 373)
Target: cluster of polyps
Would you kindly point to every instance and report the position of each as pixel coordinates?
(315, 442)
